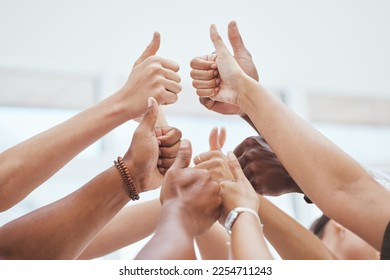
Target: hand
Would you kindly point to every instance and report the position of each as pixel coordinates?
(215, 161)
(191, 192)
(238, 192)
(143, 154)
(151, 76)
(263, 169)
(169, 144)
(206, 79)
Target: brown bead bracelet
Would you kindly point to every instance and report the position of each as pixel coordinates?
(125, 173)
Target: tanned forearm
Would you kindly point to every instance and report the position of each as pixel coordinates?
(30, 163)
(64, 228)
(130, 225)
(291, 240)
(316, 163)
(173, 239)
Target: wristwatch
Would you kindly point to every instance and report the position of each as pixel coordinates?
(232, 216)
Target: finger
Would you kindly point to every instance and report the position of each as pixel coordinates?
(151, 49)
(207, 102)
(165, 163)
(222, 137)
(167, 98)
(205, 75)
(203, 62)
(236, 40)
(169, 152)
(235, 167)
(207, 92)
(150, 117)
(161, 118)
(183, 157)
(171, 75)
(170, 64)
(210, 84)
(218, 43)
(172, 86)
(214, 140)
(240, 149)
(206, 156)
(168, 136)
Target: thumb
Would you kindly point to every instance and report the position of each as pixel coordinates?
(235, 167)
(150, 117)
(235, 39)
(217, 140)
(219, 45)
(183, 157)
(151, 49)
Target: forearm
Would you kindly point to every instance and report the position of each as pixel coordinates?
(316, 163)
(64, 228)
(30, 163)
(172, 240)
(130, 225)
(249, 121)
(247, 239)
(291, 240)
(213, 243)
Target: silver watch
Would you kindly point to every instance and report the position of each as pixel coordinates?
(232, 216)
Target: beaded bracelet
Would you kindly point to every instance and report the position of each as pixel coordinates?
(124, 171)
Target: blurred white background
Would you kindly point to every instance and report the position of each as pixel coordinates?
(329, 60)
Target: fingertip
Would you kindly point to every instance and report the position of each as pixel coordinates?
(152, 102)
(233, 23)
(185, 144)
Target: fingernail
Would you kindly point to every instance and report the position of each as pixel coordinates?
(150, 102)
(159, 162)
(184, 143)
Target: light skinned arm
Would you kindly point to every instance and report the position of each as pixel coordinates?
(247, 238)
(131, 224)
(290, 239)
(64, 228)
(30, 163)
(190, 205)
(338, 185)
(213, 244)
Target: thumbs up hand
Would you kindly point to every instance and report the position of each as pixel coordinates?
(237, 192)
(214, 160)
(143, 153)
(191, 194)
(151, 76)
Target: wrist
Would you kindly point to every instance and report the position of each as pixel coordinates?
(179, 217)
(248, 89)
(134, 174)
(234, 215)
(120, 105)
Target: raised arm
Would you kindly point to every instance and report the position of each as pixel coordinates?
(239, 214)
(130, 225)
(190, 205)
(64, 228)
(52, 149)
(330, 178)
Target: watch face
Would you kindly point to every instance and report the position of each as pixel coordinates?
(231, 218)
